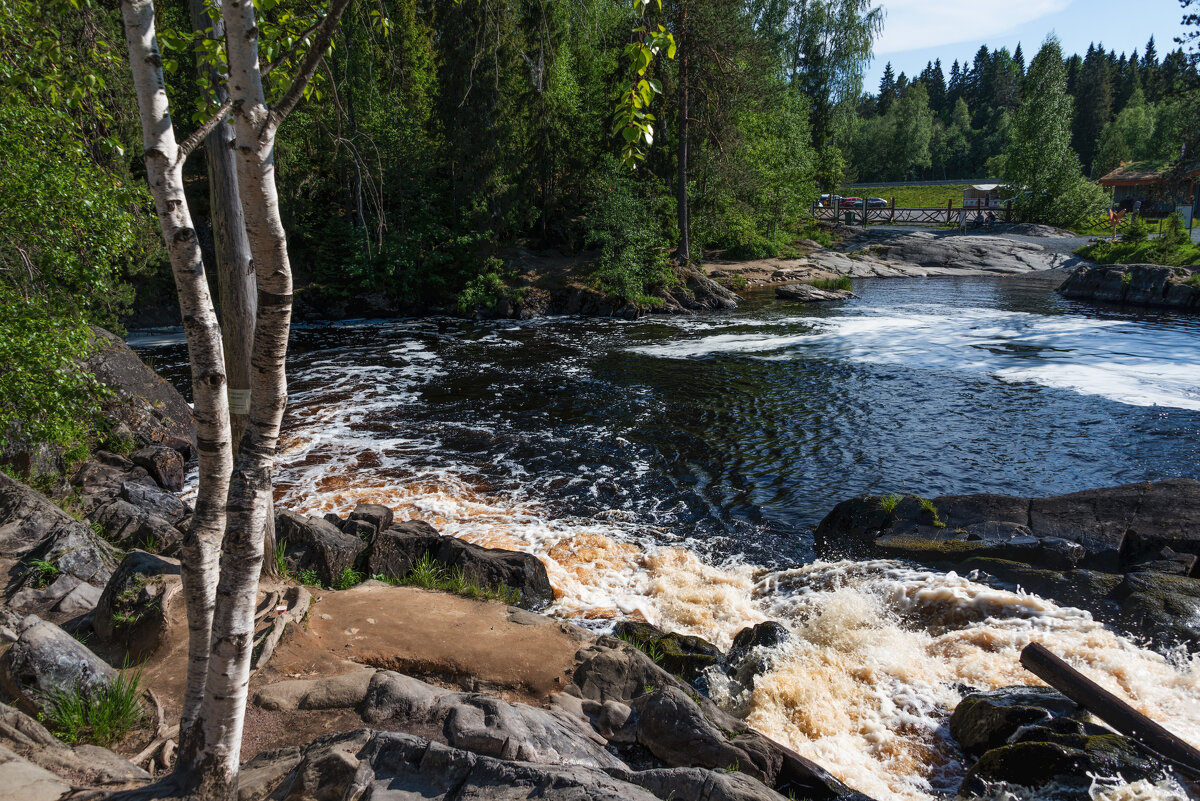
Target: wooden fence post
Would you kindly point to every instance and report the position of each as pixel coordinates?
(892, 218)
(949, 212)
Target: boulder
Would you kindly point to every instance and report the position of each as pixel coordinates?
(132, 527)
(100, 478)
(154, 501)
(710, 785)
(165, 465)
(986, 720)
(395, 549)
(1134, 284)
(761, 635)
(102, 767)
(1064, 764)
(807, 293)
(376, 517)
(680, 654)
(152, 410)
(72, 549)
(28, 518)
(44, 659)
(22, 779)
(134, 608)
(311, 543)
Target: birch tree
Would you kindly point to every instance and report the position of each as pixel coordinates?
(223, 552)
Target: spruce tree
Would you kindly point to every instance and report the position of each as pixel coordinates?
(1093, 104)
(887, 90)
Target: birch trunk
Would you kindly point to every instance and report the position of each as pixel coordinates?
(215, 766)
(235, 269)
(164, 170)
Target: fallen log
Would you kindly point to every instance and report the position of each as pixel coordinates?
(1109, 708)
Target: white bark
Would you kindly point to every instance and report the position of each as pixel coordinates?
(164, 169)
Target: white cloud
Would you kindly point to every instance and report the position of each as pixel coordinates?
(914, 24)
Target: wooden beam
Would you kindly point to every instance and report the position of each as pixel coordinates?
(1109, 708)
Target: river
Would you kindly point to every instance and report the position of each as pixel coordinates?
(672, 469)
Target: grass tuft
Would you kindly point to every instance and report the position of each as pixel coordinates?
(101, 715)
(429, 574)
(349, 578)
(888, 503)
(842, 282)
(43, 572)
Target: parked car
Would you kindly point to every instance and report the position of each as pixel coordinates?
(852, 203)
(876, 203)
(828, 201)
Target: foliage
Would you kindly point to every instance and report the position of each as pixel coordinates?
(348, 578)
(888, 503)
(1039, 162)
(1136, 232)
(43, 572)
(648, 647)
(100, 715)
(628, 220)
(309, 578)
(1150, 251)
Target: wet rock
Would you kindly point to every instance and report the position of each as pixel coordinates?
(145, 403)
(45, 658)
(133, 609)
(311, 543)
(395, 549)
(762, 635)
(851, 528)
(1065, 765)
(1161, 606)
(806, 293)
(680, 654)
(1134, 284)
(165, 465)
(986, 720)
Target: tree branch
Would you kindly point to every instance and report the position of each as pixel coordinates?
(312, 60)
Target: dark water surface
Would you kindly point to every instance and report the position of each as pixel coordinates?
(740, 432)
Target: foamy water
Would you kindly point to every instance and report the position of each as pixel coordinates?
(880, 652)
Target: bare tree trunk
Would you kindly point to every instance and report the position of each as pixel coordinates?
(164, 170)
(217, 756)
(235, 269)
(681, 190)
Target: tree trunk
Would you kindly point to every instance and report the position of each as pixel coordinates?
(164, 171)
(685, 250)
(235, 269)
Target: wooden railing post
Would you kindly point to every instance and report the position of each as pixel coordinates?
(949, 212)
(892, 218)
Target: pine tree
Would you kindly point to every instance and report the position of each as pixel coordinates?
(935, 83)
(1019, 60)
(954, 87)
(1150, 72)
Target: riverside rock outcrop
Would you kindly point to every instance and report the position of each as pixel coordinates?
(1136, 285)
(806, 293)
(1128, 554)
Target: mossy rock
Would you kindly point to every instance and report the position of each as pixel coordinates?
(1064, 761)
(681, 654)
(985, 720)
(132, 611)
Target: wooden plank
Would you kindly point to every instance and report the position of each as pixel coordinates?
(1109, 708)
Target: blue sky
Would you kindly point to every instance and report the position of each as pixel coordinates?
(918, 31)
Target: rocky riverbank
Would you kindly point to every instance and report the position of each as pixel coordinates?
(456, 687)
(1136, 285)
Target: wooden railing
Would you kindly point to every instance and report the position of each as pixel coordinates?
(919, 215)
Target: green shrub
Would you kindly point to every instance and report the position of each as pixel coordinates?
(309, 578)
(43, 572)
(888, 503)
(100, 715)
(348, 578)
(1137, 231)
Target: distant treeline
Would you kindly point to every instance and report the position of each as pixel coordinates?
(1127, 107)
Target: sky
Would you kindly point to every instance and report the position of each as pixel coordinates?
(918, 31)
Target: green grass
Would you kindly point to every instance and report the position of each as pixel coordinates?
(43, 572)
(927, 506)
(309, 578)
(1148, 252)
(888, 503)
(100, 716)
(650, 649)
(429, 574)
(842, 282)
(911, 196)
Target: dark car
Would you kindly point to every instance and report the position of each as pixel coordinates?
(876, 203)
(852, 203)
(827, 201)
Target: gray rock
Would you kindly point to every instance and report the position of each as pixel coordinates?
(134, 527)
(698, 783)
(680, 654)
(28, 518)
(74, 550)
(1062, 764)
(806, 293)
(311, 543)
(45, 658)
(165, 465)
(154, 501)
(145, 403)
(1135, 284)
(395, 549)
(133, 609)
(22, 779)
(375, 515)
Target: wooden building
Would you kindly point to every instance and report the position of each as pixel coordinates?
(1147, 182)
